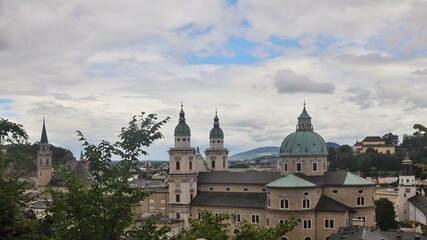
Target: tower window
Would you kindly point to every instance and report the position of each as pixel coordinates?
(360, 201)
(178, 198)
(315, 167)
(285, 166)
(191, 165)
(177, 166)
(299, 167)
(223, 164)
(213, 164)
(306, 203)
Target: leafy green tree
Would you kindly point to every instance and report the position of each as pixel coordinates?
(384, 211)
(390, 138)
(214, 227)
(15, 222)
(105, 208)
(257, 232)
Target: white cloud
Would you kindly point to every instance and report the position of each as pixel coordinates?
(92, 65)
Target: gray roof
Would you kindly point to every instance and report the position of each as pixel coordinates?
(77, 168)
(327, 204)
(291, 181)
(363, 233)
(247, 178)
(230, 199)
(337, 178)
(420, 202)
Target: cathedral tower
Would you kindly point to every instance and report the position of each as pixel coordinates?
(182, 172)
(216, 154)
(303, 151)
(44, 162)
(407, 188)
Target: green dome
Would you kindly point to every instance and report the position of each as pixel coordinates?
(303, 143)
(182, 129)
(216, 131)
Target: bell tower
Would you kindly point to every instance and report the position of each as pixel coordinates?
(216, 154)
(182, 172)
(44, 162)
(407, 188)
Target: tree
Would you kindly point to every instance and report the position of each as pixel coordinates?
(390, 138)
(384, 211)
(15, 222)
(214, 227)
(105, 208)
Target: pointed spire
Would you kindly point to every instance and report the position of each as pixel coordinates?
(304, 113)
(44, 134)
(216, 119)
(81, 155)
(182, 114)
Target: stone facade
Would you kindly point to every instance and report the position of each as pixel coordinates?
(322, 200)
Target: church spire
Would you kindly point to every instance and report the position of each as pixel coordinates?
(44, 134)
(182, 114)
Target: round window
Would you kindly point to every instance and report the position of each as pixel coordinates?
(228, 189)
(306, 194)
(335, 191)
(360, 191)
(245, 189)
(211, 189)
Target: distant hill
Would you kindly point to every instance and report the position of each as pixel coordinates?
(267, 151)
(332, 145)
(257, 152)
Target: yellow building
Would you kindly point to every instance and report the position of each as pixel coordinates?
(373, 142)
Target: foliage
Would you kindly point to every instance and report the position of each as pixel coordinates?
(238, 165)
(149, 231)
(214, 227)
(384, 211)
(257, 232)
(103, 210)
(390, 138)
(15, 222)
(418, 224)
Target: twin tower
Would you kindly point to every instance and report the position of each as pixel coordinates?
(185, 162)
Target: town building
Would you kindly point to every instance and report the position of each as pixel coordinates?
(323, 200)
(373, 142)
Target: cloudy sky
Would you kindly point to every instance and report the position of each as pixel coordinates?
(361, 67)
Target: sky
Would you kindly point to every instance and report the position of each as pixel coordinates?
(360, 66)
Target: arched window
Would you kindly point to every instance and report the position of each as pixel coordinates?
(190, 165)
(284, 238)
(223, 163)
(360, 201)
(47, 161)
(40, 161)
(307, 238)
(306, 203)
(178, 166)
(236, 231)
(213, 163)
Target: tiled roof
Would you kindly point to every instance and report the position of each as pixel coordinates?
(291, 181)
(420, 202)
(352, 179)
(327, 204)
(248, 178)
(229, 199)
(373, 139)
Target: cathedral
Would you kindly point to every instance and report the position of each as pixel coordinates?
(303, 187)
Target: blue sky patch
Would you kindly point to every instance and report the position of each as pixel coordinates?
(241, 49)
(5, 108)
(285, 42)
(194, 30)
